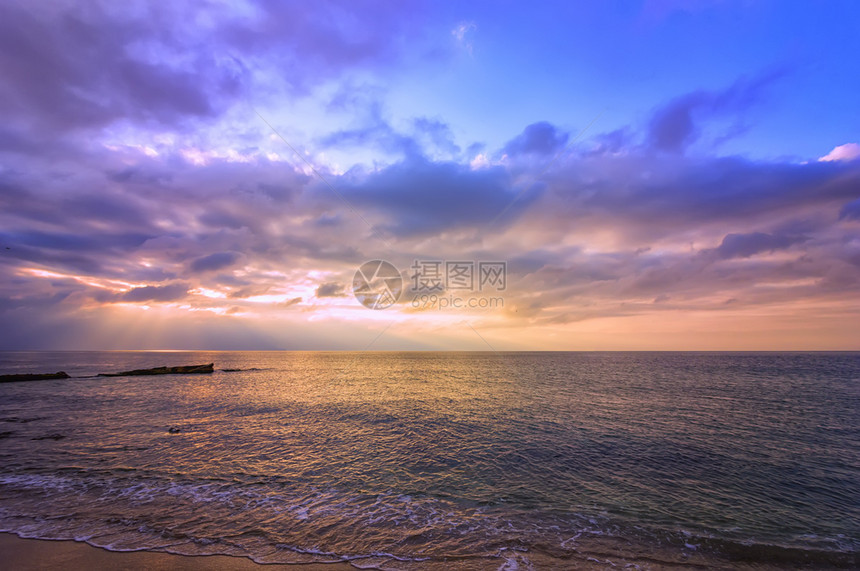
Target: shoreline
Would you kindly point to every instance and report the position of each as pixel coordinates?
(36, 554)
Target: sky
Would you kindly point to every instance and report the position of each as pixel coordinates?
(650, 175)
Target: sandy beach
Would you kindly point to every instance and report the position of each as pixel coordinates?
(38, 554)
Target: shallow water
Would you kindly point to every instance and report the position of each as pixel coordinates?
(449, 460)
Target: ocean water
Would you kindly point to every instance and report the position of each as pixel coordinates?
(443, 460)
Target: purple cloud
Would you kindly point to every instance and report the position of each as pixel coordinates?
(170, 292)
(420, 197)
(73, 68)
(746, 245)
(850, 211)
(540, 138)
(216, 261)
(677, 125)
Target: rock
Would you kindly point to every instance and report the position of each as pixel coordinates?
(183, 370)
(50, 437)
(33, 377)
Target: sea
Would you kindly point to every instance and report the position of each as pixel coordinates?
(442, 460)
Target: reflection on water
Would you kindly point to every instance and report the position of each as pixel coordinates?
(449, 459)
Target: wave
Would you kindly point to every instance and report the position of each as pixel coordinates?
(276, 521)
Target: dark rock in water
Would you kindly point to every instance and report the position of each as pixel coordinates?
(33, 377)
(21, 420)
(183, 370)
(174, 430)
(50, 437)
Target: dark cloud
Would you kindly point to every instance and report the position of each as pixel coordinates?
(313, 42)
(170, 292)
(249, 291)
(216, 261)
(850, 211)
(437, 133)
(540, 138)
(377, 133)
(78, 67)
(41, 198)
(327, 220)
(330, 289)
(82, 67)
(672, 128)
(73, 247)
(627, 283)
(86, 264)
(612, 142)
(426, 138)
(91, 243)
(277, 192)
(215, 218)
(420, 197)
(142, 294)
(137, 175)
(746, 245)
(646, 197)
(677, 124)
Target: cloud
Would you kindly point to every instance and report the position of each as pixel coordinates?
(437, 133)
(216, 261)
(540, 138)
(643, 197)
(330, 289)
(427, 137)
(170, 292)
(420, 197)
(73, 68)
(676, 125)
(746, 245)
(314, 42)
(462, 33)
(379, 135)
(672, 127)
(617, 141)
(846, 152)
(850, 211)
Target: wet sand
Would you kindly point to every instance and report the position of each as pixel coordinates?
(38, 554)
